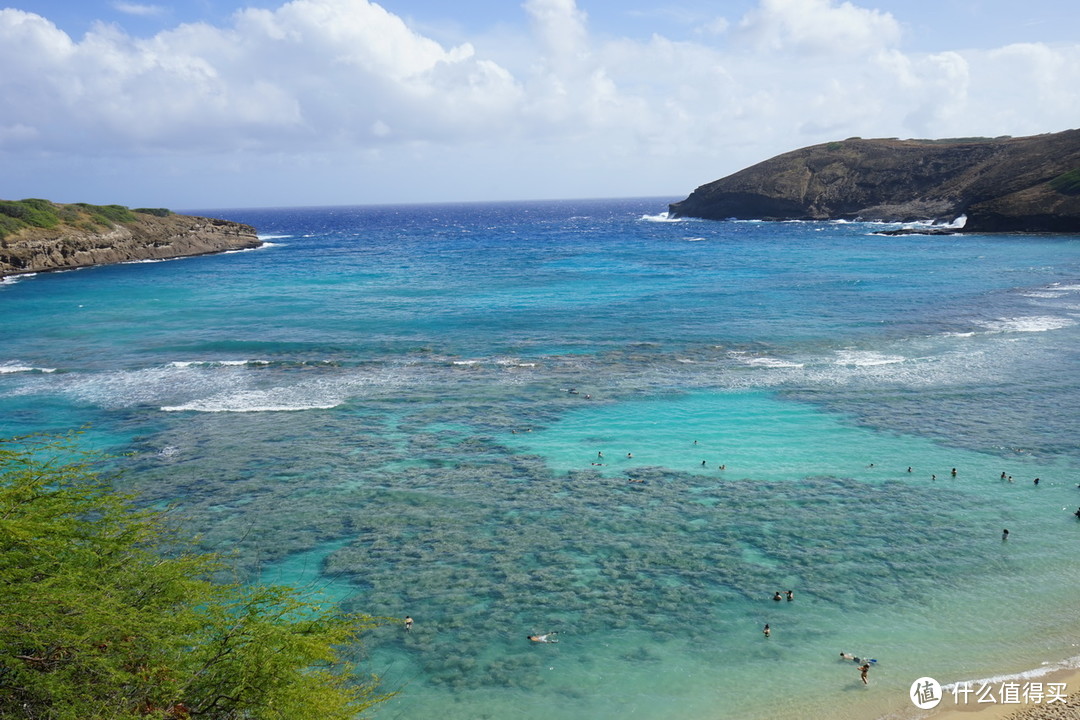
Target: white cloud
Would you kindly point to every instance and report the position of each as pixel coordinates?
(312, 83)
(819, 27)
(138, 9)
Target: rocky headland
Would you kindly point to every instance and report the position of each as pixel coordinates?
(40, 236)
(1027, 184)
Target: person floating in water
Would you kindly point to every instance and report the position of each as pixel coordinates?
(1077, 513)
(777, 597)
(767, 631)
(1005, 534)
(790, 595)
(1036, 481)
(545, 638)
(408, 623)
(629, 455)
(863, 669)
(909, 468)
(848, 656)
(954, 472)
(1003, 476)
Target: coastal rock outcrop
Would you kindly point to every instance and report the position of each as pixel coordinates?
(145, 236)
(1028, 184)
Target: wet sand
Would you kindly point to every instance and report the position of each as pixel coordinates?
(973, 710)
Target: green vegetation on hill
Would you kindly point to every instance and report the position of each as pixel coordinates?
(34, 212)
(103, 615)
(1067, 183)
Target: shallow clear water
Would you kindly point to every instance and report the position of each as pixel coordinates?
(438, 411)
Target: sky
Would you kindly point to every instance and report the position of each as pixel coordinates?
(274, 103)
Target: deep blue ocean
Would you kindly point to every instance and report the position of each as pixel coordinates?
(585, 418)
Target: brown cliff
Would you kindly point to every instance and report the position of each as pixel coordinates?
(77, 242)
(1029, 184)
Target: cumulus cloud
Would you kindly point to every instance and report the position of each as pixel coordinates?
(348, 76)
(819, 27)
(307, 73)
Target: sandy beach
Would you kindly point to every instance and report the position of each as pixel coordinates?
(949, 709)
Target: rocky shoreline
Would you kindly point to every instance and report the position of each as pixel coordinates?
(1028, 184)
(147, 237)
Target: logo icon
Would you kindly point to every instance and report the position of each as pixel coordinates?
(925, 693)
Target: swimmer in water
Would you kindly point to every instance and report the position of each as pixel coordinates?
(848, 656)
(777, 597)
(545, 638)
(863, 669)
(767, 632)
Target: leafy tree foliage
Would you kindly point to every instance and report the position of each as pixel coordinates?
(102, 616)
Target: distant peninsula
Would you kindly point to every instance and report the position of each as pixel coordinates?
(1006, 184)
(39, 235)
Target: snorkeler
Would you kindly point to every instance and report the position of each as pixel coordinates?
(545, 638)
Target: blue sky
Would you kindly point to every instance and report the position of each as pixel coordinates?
(223, 103)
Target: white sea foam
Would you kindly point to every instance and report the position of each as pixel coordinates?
(213, 363)
(15, 368)
(263, 246)
(514, 362)
(12, 279)
(661, 217)
(273, 237)
(1036, 323)
(252, 401)
(768, 362)
(695, 239)
(1072, 663)
(865, 358)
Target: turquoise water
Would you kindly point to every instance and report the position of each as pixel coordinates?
(508, 419)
